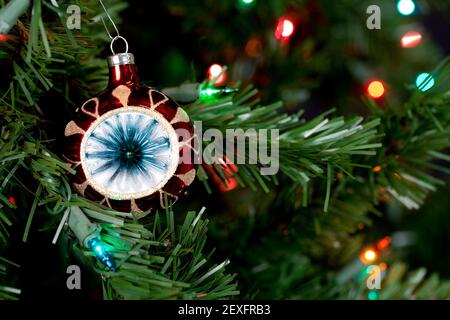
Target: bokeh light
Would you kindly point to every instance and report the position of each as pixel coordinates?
(424, 81)
(368, 255)
(285, 28)
(216, 71)
(375, 89)
(372, 295)
(384, 243)
(12, 200)
(411, 39)
(406, 7)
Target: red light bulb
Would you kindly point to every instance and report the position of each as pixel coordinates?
(411, 39)
(285, 28)
(12, 200)
(216, 71)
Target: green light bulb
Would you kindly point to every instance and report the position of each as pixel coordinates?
(372, 295)
(209, 92)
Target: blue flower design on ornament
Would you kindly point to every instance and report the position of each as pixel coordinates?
(128, 153)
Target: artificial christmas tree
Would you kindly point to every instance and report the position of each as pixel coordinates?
(312, 198)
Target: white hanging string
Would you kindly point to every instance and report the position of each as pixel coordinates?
(111, 20)
(118, 36)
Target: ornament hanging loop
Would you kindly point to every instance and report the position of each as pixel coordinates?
(117, 38)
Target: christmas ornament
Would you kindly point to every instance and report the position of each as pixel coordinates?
(126, 143)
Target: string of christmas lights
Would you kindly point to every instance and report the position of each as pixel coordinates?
(371, 263)
(285, 29)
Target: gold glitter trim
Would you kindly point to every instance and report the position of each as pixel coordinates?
(107, 202)
(134, 207)
(188, 177)
(153, 106)
(161, 198)
(95, 114)
(71, 163)
(122, 93)
(180, 116)
(81, 188)
(72, 128)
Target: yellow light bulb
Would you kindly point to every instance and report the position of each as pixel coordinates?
(369, 255)
(376, 89)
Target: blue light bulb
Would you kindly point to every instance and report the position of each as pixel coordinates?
(405, 7)
(96, 246)
(424, 81)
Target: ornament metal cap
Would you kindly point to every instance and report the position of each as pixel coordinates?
(120, 59)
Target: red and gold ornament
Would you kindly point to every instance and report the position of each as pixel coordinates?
(127, 142)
